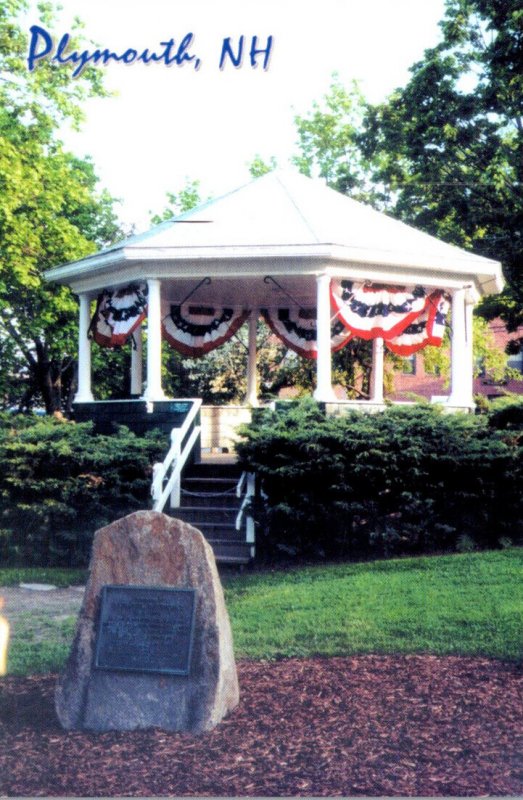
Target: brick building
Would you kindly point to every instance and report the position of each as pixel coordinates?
(415, 381)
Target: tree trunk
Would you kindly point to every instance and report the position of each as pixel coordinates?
(48, 379)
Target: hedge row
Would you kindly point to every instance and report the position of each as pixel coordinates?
(59, 483)
(405, 481)
(408, 480)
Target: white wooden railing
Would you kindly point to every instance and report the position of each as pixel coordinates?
(246, 487)
(174, 462)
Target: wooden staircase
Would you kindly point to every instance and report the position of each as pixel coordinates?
(209, 502)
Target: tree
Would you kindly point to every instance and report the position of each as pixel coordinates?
(449, 146)
(259, 166)
(330, 147)
(188, 197)
(220, 377)
(50, 213)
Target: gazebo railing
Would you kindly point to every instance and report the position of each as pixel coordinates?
(246, 489)
(167, 475)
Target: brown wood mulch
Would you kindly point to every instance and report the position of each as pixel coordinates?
(368, 725)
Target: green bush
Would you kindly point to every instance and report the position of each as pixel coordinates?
(507, 414)
(60, 482)
(408, 480)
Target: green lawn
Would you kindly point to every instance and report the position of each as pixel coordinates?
(461, 604)
(467, 604)
(39, 644)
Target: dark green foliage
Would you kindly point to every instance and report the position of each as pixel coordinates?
(448, 147)
(508, 415)
(405, 481)
(59, 483)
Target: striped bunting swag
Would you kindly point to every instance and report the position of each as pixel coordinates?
(373, 311)
(296, 328)
(118, 313)
(428, 329)
(196, 330)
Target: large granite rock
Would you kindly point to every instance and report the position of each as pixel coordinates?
(150, 549)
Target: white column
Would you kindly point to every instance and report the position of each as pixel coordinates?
(84, 393)
(469, 338)
(137, 362)
(154, 342)
(461, 386)
(376, 379)
(252, 376)
(324, 391)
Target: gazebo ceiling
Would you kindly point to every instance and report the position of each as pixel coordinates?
(244, 292)
(286, 225)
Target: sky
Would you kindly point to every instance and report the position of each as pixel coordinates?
(166, 124)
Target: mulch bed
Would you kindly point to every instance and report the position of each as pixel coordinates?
(370, 725)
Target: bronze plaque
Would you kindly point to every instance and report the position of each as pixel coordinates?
(146, 629)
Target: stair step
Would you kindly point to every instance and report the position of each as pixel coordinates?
(210, 502)
(231, 553)
(218, 541)
(193, 491)
(211, 481)
(206, 513)
(212, 532)
(196, 486)
(210, 509)
(225, 526)
(209, 525)
(231, 471)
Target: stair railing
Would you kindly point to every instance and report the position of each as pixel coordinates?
(246, 487)
(174, 462)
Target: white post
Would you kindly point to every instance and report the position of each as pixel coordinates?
(252, 387)
(469, 338)
(376, 381)
(324, 391)
(154, 342)
(137, 362)
(84, 393)
(176, 494)
(461, 393)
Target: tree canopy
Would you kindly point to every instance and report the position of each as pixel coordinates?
(445, 152)
(449, 146)
(50, 213)
(329, 143)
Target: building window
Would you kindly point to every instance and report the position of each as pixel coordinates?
(408, 365)
(515, 361)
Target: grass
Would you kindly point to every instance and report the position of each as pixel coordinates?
(466, 604)
(40, 644)
(62, 578)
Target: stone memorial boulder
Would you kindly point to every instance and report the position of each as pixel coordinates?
(149, 549)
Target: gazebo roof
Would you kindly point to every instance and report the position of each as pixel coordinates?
(283, 224)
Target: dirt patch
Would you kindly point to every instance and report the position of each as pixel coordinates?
(370, 725)
(55, 602)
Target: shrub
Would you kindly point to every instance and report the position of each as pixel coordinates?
(507, 414)
(405, 481)
(60, 482)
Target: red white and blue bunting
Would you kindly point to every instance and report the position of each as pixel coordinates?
(374, 311)
(427, 329)
(118, 313)
(196, 330)
(296, 328)
(407, 318)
